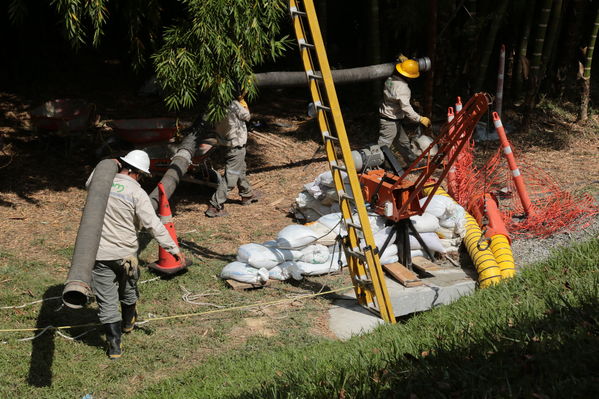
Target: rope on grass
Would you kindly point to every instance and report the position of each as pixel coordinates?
(178, 316)
(189, 297)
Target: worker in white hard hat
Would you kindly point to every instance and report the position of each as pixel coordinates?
(232, 133)
(396, 107)
(115, 272)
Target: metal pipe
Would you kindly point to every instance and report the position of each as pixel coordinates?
(77, 288)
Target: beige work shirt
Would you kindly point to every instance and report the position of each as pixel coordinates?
(128, 210)
(396, 100)
(231, 130)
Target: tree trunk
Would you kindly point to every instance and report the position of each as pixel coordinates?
(340, 76)
(586, 76)
(567, 62)
(432, 40)
(537, 54)
(490, 44)
(554, 28)
(522, 68)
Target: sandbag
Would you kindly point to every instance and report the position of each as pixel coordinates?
(326, 236)
(433, 242)
(315, 253)
(311, 269)
(295, 236)
(258, 256)
(441, 206)
(425, 223)
(244, 273)
(290, 268)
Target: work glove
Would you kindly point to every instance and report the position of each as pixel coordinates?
(426, 122)
(131, 267)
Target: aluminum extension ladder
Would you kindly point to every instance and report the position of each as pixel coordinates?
(362, 257)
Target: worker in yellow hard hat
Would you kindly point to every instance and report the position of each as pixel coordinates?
(396, 106)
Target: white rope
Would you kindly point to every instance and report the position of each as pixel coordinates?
(30, 303)
(189, 297)
(60, 333)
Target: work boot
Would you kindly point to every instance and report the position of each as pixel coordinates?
(256, 195)
(113, 339)
(129, 317)
(214, 212)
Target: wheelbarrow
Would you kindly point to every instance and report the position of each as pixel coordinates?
(158, 137)
(65, 115)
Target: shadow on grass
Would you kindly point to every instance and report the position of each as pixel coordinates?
(554, 355)
(42, 347)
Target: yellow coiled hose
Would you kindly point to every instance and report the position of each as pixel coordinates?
(484, 260)
(500, 246)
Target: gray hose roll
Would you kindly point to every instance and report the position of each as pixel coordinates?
(177, 168)
(77, 288)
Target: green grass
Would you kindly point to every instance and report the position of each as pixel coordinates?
(534, 336)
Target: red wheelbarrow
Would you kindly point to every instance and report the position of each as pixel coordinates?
(158, 137)
(65, 115)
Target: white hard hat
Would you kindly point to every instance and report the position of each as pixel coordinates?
(138, 159)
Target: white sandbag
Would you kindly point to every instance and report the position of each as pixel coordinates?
(450, 242)
(425, 223)
(420, 143)
(244, 273)
(389, 259)
(377, 222)
(433, 242)
(276, 273)
(325, 235)
(295, 236)
(315, 253)
(334, 222)
(417, 252)
(290, 268)
(311, 269)
(441, 206)
(326, 179)
(270, 243)
(443, 232)
(258, 256)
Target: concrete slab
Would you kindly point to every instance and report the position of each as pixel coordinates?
(347, 318)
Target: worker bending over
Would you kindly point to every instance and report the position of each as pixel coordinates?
(232, 133)
(396, 106)
(115, 272)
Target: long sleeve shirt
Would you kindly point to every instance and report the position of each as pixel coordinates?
(128, 210)
(396, 100)
(231, 130)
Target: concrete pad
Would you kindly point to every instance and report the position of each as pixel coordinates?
(347, 318)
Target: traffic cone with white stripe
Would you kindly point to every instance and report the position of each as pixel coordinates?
(166, 262)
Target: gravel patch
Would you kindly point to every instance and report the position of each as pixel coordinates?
(530, 250)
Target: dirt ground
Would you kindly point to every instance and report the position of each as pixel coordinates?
(42, 194)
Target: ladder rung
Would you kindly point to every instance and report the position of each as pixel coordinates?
(346, 196)
(312, 75)
(341, 168)
(354, 225)
(364, 282)
(294, 12)
(318, 105)
(304, 44)
(356, 254)
(327, 136)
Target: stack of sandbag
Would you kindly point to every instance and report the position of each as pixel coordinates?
(444, 217)
(318, 198)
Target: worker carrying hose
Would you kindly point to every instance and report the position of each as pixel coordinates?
(232, 133)
(115, 272)
(396, 106)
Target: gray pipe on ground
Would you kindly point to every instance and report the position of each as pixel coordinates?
(340, 76)
(77, 289)
(177, 168)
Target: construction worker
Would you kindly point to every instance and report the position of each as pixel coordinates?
(232, 133)
(396, 106)
(115, 272)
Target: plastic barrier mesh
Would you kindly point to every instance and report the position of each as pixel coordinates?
(553, 209)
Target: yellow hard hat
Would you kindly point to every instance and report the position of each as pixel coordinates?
(408, 68)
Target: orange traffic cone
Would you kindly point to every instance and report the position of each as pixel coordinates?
(166, 262)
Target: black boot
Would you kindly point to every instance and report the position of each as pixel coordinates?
(113, 339)
(129, 317)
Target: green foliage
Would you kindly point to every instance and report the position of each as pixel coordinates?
(214, 50)
(75, 13)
